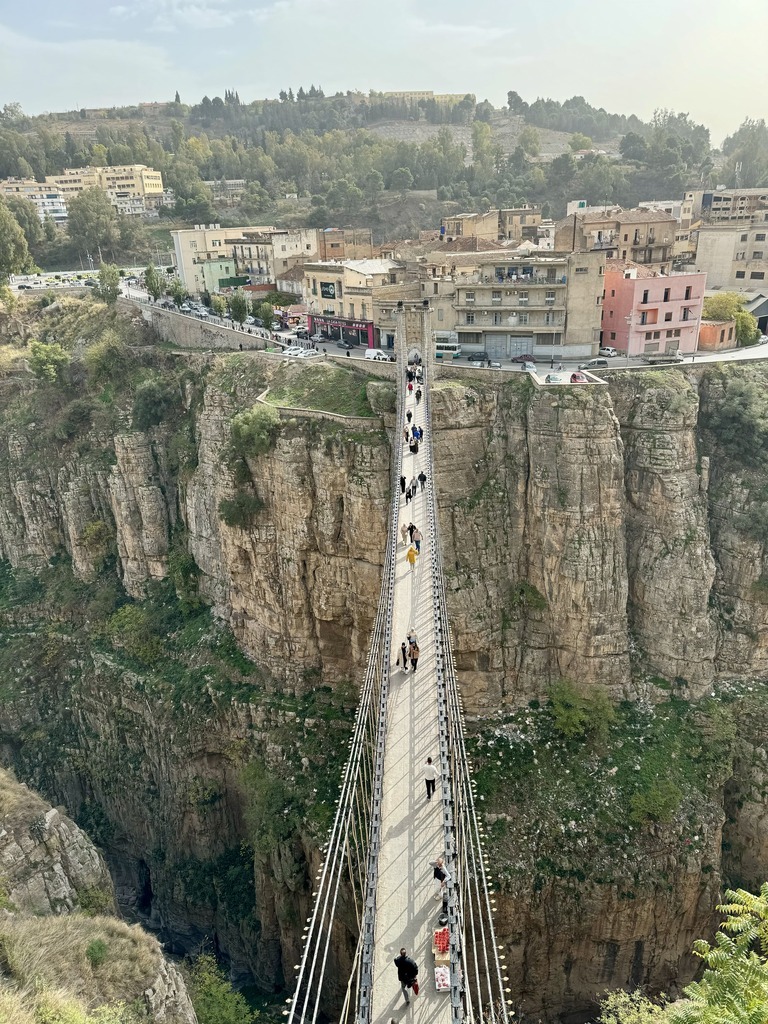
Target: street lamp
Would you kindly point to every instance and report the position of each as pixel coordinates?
(630, 320)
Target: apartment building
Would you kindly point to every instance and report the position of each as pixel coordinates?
(345, 244)
(513, 224)
(646, 312)
(340, 296)
(723, 206)
(49, 202)
(227, 190)
(508, 303)
(646, 237)
(735, 257)
(131, 188)
(264, 255)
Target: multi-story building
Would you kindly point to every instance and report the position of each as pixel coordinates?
(735, 257)
(345, 244)
(49, 202)
(641, 236)
(340, 296)
(227, 190)
(506, 303)
(514, 224)
(646, 312)
(723, 206)
(264, 255)
(203, 243)
(132, 188)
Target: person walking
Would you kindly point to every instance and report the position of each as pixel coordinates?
(418, 395)
(422, 478)
(408, 494)
(406, 434)
(411, 528)
(403, 657)
(413, 487)
(410, 387)
(413, 654)
(416, 539)
(404, 533)
(409, 415)
(407, 972)
(441, 876)
(430, 774)
(402, 485)
(412, 554)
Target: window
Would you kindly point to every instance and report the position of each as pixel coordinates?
(285, 263)
(741, 255)
(743, 238)
(314, 286)
(643, 318)
(626, 237)
(760, 237)
(335, 245)
(216, 243)
(435, 287)
(600, 271)
(668, 334)
(440, 315)
(364, 311)
(496, 297)
(741, 273)
(722, 336)
(676, 332)
(613, 335)
(193, 245)
(308, 246)
(645, 296)
(351, 311)
(668, 316)
(598, 299)
(757, 254)
(338, 290)
(582, 270)
(613, 293)
(522, 299)
(470, 318)
(523, 318)
(757, 275)
(549, 298)
(610, 312)
(688, 291)
(730, 333)
(657, 334)
(496, 319)
(469, 297)
(666, 295)
(624, 251)
(282, 248)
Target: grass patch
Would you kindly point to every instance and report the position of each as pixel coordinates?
(326, 387)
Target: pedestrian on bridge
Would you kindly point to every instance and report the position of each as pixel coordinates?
(418, 395)
(403, 656)
(409, 415)
(413, 654)
(404, 531)
(411, 528)
(412, 554)
(417, 539)
(413, 486)
(430, 774)
(422, 478)
(440, 875)
(402, 485)
(407, 972)
(408, 494)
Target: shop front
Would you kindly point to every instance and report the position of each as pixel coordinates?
(337, 328)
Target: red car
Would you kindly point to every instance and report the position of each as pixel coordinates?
(523, 359)
(578, 378)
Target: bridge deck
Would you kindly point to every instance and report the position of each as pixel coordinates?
(411, 827)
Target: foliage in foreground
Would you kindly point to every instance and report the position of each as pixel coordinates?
(213, 998)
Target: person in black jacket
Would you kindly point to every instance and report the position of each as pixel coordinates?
(407, 971)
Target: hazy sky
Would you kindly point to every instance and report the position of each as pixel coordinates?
(706, 58)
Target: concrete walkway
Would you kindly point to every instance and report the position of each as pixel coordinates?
(406, 911)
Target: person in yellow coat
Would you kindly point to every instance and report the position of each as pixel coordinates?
(412, 554)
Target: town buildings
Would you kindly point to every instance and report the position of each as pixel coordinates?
(723, 206)
(735, 256)
(132, 188)
(646, 312)
(641, 236)
(715, 335)
(514, 224)
(508, 303)
(340, 297)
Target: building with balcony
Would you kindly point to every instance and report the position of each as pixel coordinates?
(340, 296)
(263, 255)
(203, 243)
(345, 244)
(735, 257)
(514, 224)
(646, 237)
(509, 303)
(646, 312)
(723, 206)
(131, 188)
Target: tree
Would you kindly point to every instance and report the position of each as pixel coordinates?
(177, 291)
(730, 306)
(238, 306)
(734, 986)
(530, 141)
(218, 305)
(578, 141)
(213, 998)
(14, 252)
(25, 213)
(266, 314)
(177, 98)
(634, 147)
(91, 221)
(49, 229)
(152, 281)
(109, 283)
(401, 179)
(48, 362)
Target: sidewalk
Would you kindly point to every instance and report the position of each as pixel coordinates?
(406, 911)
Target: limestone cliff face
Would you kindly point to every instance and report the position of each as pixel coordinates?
(49, 867)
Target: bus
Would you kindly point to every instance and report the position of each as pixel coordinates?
(447, 349)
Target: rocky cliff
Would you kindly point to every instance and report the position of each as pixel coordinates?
(58, 958)
(156, 525)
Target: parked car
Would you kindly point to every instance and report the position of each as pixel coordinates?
(553, 378)
(309, 353)
(90, 283)
(760, 341)
(249, 321)
(293, 350)
(376, 354)
(21, 287)
(593, 364)
(523, 359)
(203, 314)
(608, 350)
(184, 307)
(302, 332)
(665, 357)
(477, 357)
(528, 367)
(578, 378)
(339, 344)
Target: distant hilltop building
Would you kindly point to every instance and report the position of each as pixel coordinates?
(426, 94)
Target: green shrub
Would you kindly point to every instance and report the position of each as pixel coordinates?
(184, 574)
(107, 359)
(213, 998)
(96, 952)
(658, 802)
(240, 510)
(739, 421)
(254, 431)
(74, 419)
(151, 404)
(48, 362)
(131, 628)
(580, 716)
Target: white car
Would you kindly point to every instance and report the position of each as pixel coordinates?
(293, 350)
(309, 353)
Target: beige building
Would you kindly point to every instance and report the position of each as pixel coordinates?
(263, 256)
(506, 303)
(723, 206)
(515, 224)
(202, 243)
(734, 257)
(646, 237)
(131, 188)
(341, 296)
(345, 244)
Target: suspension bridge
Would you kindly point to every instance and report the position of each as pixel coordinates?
(385, 833)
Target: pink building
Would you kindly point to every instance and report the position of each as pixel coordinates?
(645, 312)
